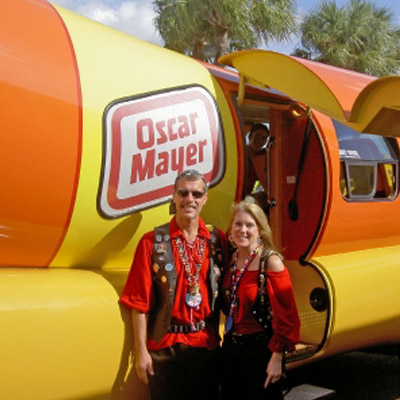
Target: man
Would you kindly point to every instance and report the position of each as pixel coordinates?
(171, 289)
(258, 137)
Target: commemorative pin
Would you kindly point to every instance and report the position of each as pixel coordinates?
(158, 238)
(169, 267)
(161, 247)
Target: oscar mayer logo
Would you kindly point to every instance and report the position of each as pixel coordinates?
(150, 139)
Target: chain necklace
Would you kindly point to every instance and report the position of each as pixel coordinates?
(235, 278)
(192, 263)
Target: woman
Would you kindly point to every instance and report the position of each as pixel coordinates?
(261, 315)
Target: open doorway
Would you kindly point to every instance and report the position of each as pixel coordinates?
(292, 169)
(284, 166)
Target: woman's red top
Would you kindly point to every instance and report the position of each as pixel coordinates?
(285, 322)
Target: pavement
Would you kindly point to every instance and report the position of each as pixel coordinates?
(352, 376)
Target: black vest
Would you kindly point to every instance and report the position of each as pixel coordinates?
(261, 309)
(164, 279)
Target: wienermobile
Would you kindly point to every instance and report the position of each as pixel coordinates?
(95, 125)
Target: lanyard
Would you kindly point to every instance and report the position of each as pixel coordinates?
(193, 258)
(234, 283)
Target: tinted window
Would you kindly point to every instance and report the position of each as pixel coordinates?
(369, 165)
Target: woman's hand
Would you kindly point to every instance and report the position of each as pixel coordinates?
(274, 369)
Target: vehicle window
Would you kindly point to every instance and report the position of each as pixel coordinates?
(368, 165)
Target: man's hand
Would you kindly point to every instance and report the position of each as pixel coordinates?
(144, 365)
(143, 361)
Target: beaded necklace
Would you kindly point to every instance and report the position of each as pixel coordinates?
(235, 278)
(192, 262)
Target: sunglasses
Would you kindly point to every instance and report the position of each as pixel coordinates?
(195, 193)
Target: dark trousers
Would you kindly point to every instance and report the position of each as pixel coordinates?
(244, 367)
(185, 373)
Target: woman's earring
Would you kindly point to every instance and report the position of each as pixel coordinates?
(230, 237)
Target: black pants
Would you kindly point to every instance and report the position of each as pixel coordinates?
(244, 367)
(185, 373)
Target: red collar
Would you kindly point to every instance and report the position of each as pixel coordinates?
(175, 230)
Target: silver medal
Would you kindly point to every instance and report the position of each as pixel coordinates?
(193, 300)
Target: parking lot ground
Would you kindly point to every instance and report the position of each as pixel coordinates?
(309, 392)
(358, 375)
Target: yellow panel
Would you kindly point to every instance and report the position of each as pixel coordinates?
(288, 76)
(314, 324)
(366, 301)
(360, 101)
(113, 65)
(368, 113)
(61, 333)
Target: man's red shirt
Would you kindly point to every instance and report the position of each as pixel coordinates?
(138, 293)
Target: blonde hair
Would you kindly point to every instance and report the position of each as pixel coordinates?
(256, 212)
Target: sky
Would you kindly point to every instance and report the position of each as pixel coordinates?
(135, 17)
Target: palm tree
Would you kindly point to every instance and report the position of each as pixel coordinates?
(206, 29)
(359, 36)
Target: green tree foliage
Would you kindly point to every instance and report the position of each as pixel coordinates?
(206, 29)
(359, 36)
